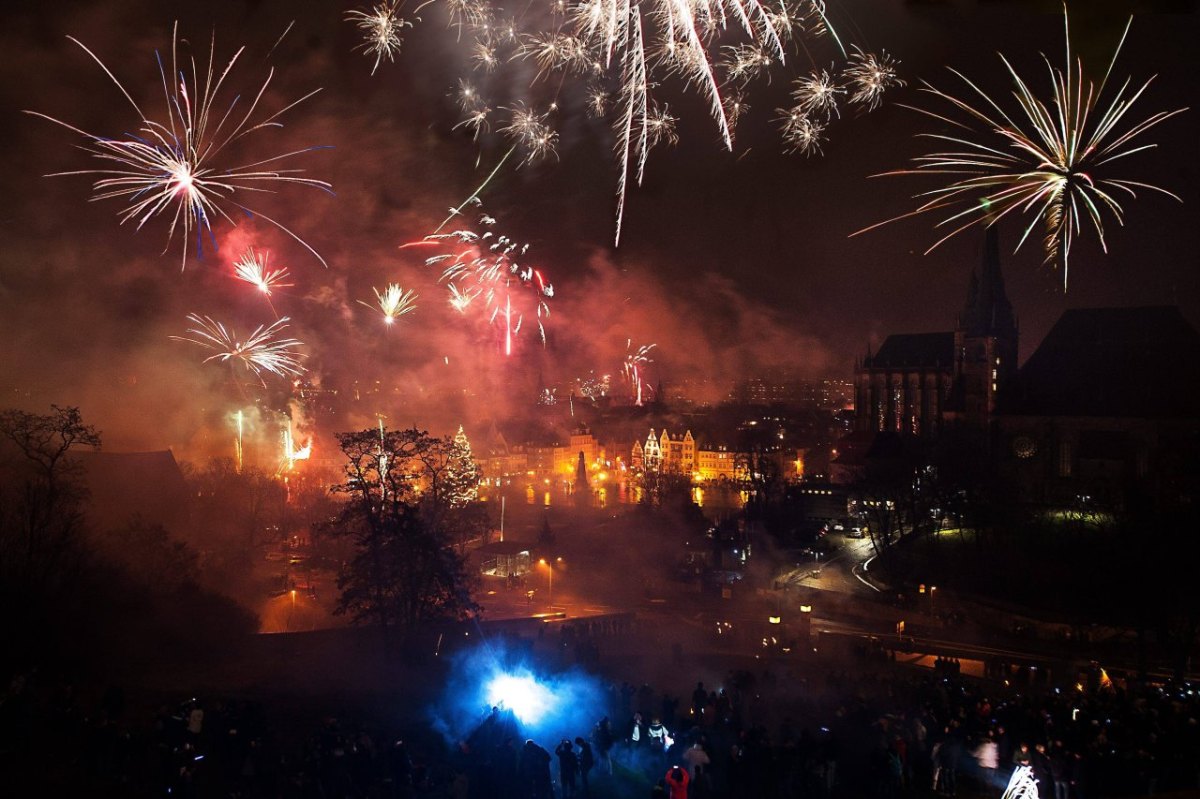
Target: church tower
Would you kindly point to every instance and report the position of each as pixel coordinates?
(985, 340)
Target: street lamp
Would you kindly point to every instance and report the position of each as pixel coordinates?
(550, 578)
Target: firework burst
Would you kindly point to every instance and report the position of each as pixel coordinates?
(625, 50)
(484, 266)
(801, 133)
(262, 351)
(531, 132)
(817, 93)
(381, 31)
(393, 301)
(173, 167)
(252, 268)
(1047, 160)
(869, 76)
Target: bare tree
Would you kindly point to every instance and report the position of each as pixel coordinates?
(405, 569)
(41, 494)
(894, 490)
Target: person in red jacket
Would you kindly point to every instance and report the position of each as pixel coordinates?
(677, 782)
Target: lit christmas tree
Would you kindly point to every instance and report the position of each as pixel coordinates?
(461, 482)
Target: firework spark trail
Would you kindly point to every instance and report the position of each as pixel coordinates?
(237, 442)
(291, 452)
(485, 266)
(632, 367)
(393, 301)
(1047, 161)
(171, 168)
(382, 462)
(633, 131)
(381, 31)
(630, 44)
(674, 36)
(261, 352)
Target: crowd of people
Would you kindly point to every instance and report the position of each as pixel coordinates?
(820, 730)
(885, 733)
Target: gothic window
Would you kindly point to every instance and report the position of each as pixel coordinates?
(897, 408)
(1064, 458)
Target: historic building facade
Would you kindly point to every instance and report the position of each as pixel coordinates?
(1105, 405)
(917, 382)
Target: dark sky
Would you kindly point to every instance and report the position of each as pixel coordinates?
(729, 262)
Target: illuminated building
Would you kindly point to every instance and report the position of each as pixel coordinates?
(780, 387)
(716, 462)
(664, 454)
(917, 382)
(682, 455)
(582, 440)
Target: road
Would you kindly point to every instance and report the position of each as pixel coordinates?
(838, 590)
(842, 572)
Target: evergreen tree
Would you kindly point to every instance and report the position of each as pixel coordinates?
(461, 483)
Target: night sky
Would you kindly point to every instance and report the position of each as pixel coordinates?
(729, 262)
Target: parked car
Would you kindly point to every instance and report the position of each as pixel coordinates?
(855, 531)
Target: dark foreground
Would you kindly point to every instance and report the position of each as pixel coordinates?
(856, 725)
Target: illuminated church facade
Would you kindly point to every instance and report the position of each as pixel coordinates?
(918, 382)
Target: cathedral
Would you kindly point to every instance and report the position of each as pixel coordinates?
(918, 382)
(1105, 404)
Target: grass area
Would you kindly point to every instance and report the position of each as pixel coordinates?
(1069, 570)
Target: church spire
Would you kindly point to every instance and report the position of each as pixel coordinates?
(988, 310)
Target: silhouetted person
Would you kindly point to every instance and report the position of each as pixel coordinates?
(568, 767)
(533, 769)
(604, 743)
(699, 700)
(586, 762)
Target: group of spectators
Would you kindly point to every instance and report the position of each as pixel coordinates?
(816, 731)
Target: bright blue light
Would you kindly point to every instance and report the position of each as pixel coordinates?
(528, 699)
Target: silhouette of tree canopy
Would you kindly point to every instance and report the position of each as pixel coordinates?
(41, 494)
(71, 594)
(397, 509)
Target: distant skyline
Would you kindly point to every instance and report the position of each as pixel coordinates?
(731, 263)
